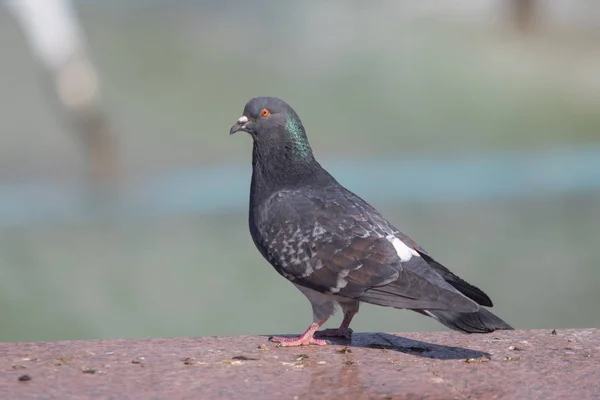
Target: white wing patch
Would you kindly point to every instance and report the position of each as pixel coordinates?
(341, 281)
(404, 252)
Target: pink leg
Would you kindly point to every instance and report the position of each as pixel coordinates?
(303, 340)
(343, 331)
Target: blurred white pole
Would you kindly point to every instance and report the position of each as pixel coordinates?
(56, 39)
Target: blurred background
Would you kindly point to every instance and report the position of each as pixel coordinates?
(474, 126)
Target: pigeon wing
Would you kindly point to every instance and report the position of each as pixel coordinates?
(331, 241)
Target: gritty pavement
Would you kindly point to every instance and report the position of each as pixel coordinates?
(538, 364)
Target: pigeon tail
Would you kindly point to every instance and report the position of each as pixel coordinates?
(482, 321)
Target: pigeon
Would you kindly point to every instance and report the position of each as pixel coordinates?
(333, 245)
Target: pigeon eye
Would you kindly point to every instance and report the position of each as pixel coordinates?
(265, 112)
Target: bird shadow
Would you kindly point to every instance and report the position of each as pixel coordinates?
(414, 347)
(388, 342)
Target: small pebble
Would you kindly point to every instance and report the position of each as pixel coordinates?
(244, 358)
(483, 359)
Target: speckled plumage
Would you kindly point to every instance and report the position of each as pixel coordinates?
(333, 245)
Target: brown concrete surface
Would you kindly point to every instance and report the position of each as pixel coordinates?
(438, 365)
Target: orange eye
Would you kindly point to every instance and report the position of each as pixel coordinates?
(265, 112)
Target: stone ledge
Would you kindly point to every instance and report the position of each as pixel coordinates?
(435, 365)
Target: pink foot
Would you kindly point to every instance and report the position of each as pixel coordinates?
(345, 333)
(303, 340)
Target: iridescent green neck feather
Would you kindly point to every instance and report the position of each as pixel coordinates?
(296, 132)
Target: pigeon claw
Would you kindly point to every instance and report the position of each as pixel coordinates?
(297, 341)
(345, 333)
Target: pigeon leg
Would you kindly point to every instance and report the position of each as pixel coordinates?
(303, 340)
(344, 330)
(322, 307)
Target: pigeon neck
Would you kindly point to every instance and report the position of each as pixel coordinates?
(278, 165)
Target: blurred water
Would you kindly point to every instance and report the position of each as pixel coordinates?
(480, 143)
(441, 179)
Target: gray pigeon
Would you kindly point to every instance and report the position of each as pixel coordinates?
(334, 246)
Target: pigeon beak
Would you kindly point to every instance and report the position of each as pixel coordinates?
(240, 125)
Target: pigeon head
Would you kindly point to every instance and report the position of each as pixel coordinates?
(274, 124)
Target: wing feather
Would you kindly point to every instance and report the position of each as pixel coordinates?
(333, 242)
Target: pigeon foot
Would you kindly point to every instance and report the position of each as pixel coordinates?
(303, 340)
